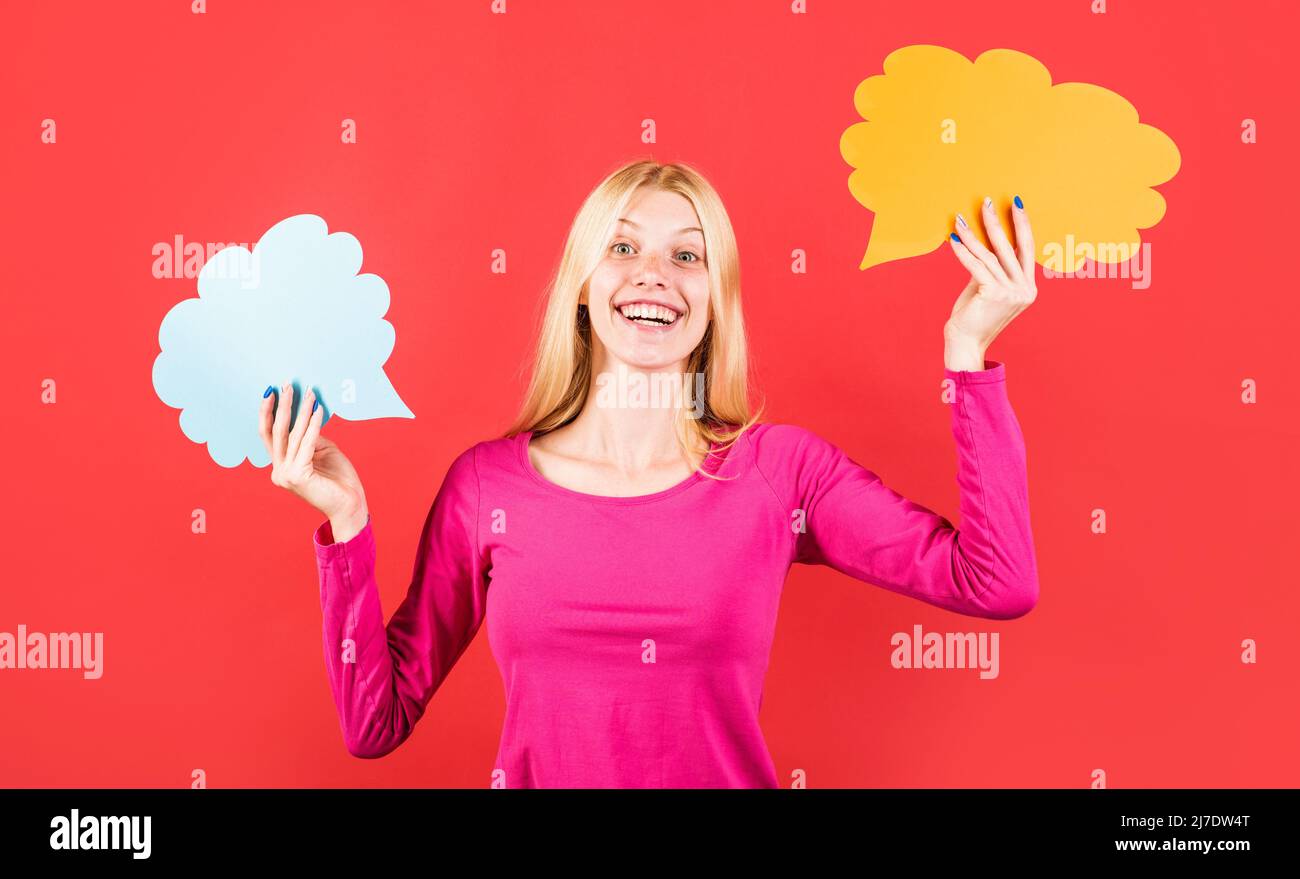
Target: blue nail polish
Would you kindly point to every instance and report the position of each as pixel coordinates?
(1019, 203)
(314, 404)
(269, 388)
(954, 237)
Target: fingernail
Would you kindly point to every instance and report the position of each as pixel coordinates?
(954, 237)
(269, 388)
(988, 202)
(314, 404)
(961, 221)
(1019, 203)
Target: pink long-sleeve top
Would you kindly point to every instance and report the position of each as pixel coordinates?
(633, 633)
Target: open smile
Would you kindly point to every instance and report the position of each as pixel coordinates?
(649, 317)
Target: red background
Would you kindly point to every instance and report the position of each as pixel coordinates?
(480, 131)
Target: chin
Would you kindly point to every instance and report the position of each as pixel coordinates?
(648, 355)
(657, 361)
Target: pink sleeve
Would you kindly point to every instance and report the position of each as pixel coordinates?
(860, 527)
(382, 678)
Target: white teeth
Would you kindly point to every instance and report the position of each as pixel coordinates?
(643, 311)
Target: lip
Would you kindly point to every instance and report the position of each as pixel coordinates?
(645, 328)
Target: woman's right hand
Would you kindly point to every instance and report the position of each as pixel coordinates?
(310, 465)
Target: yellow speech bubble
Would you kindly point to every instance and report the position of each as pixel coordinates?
(942, 132)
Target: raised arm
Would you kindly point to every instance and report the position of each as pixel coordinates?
(861, 527)
(383, 677)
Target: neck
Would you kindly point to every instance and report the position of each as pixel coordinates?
(630, 416)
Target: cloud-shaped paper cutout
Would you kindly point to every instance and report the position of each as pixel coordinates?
(292, 309)
(942, 132)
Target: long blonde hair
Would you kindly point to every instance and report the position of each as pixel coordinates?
(561, 375)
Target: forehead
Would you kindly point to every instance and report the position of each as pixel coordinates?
(660, 210)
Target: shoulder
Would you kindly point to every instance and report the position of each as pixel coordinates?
(485, 456)
(476, 469)
(467, 468)
(792, 459)
(786, 446)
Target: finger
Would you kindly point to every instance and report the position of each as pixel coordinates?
(1001, 243)
(264, 417)
(300, 425)
(982, 253)
(1024, 239)
(977, 269)
(307, 449)
(280, 430)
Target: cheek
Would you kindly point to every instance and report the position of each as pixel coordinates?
(698, 300)
(604, 282)
(697, 297)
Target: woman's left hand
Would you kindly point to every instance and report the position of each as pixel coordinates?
(1001, 282)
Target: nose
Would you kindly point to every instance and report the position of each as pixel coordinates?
(648, 272)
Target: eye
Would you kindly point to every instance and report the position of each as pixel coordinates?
(695, 257)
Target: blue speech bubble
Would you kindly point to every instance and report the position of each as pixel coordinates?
(292, 309)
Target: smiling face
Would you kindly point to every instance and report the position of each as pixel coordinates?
(648, 299)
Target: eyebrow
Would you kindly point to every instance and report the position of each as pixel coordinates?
(686, 229)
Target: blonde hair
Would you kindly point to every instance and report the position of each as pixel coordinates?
(561, 376)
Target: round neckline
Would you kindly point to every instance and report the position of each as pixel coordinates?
(521, 444)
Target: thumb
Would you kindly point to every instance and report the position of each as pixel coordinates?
(966, 295)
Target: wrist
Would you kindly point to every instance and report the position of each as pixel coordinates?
(962, 354)
(349, 523)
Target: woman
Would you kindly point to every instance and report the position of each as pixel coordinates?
(629, 556)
